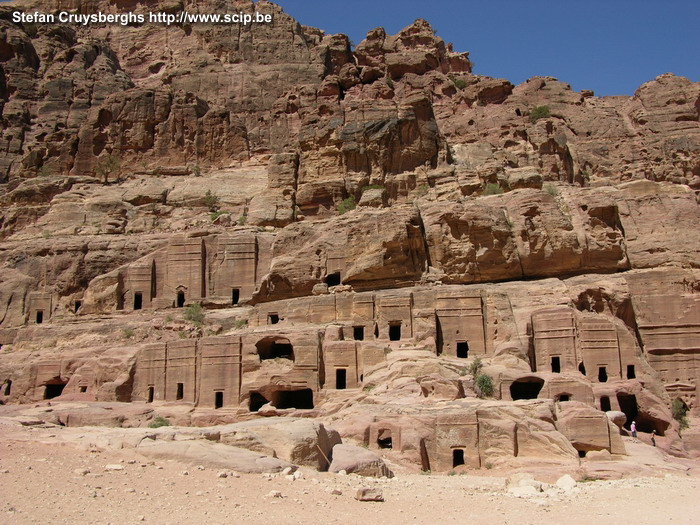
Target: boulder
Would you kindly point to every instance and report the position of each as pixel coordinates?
(369, 494)
(566, 483)
(211, 455)
(298, 441)
(617, 417)
(357, 460)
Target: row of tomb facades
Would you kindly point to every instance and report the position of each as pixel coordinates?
(287, 358)
(229, 269)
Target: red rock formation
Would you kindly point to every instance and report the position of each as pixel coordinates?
(148, 170)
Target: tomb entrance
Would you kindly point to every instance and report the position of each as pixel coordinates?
(526, 388)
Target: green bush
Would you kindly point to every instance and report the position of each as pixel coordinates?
(475, 367)
(242, 220)
(128, 333)
(241, 323)
(680, 413)
(194, 313)
(551, 189)
(390, 82)
(539, 112)
(459, 82)
(492, 189)
(216, 214)
(347, 205)
(211, 201)
(485, 385)
(372, 187)
(158, 422)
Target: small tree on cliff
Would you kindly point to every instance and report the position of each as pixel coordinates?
(106, 166)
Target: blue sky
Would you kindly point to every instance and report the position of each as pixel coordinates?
(610, 46)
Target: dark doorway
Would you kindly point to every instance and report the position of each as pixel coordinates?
(628, 405)
(424, 458)
(358, 333)
(457, 457)
(275, 349)
(78, 304)
(376, 330)
(341, 378)
(302, 399)
(395, 331)
(39, 316)
(180, 391)
(8, 387)
(53, 390)
(564, 397)
(582, 368)
(151, 394)
(602, 374)
(526, 388)
(333, 279)
(218, 399)
(138, 300)
(273, 318)
(463, 349)
(180, 299)
(257, 400)
(82, 389)
(605, 404)
(384, 439)
(630, 372)
(556, 365)
(582, 454)
(235, 296)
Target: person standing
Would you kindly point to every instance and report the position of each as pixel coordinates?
(633, 428)
(653, 438)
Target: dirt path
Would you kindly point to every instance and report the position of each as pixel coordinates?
(59, 483)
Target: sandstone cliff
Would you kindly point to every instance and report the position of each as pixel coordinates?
(366, 229)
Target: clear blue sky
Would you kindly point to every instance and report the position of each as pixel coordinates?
(610, 46)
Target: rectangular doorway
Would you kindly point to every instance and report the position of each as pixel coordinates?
(463, 349)
(556, 365)
(358, 333)
(138, 301)
(457, 457)
(395, 331)
(341, 378)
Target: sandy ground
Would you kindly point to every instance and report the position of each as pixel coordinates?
(50, 482)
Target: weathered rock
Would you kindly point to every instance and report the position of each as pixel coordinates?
(566, 482)
(212, 455)
(358, 460)
(369, 494)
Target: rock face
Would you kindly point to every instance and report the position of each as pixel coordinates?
(242, 224)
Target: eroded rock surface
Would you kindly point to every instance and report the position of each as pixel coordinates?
(233, 225)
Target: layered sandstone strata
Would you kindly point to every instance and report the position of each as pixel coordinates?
(149, 170)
